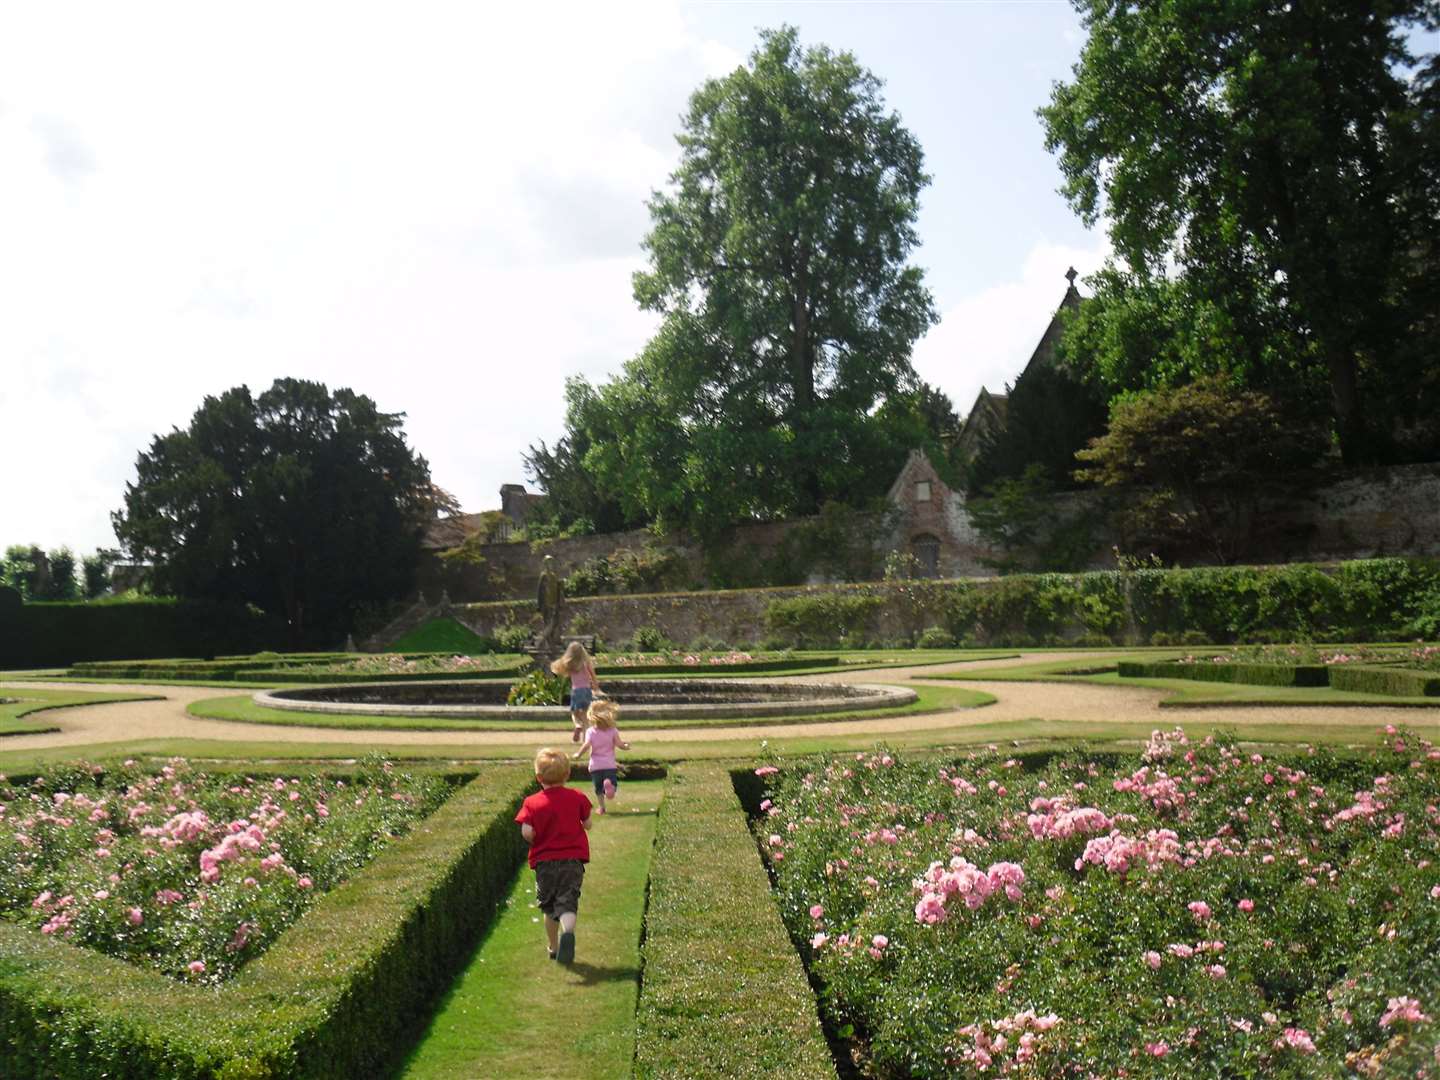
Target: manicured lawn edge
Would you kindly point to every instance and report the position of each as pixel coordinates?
(336, 996)
(723, 993)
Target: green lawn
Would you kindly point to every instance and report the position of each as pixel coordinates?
(244, 710)
(514, 1013)
(18, 707)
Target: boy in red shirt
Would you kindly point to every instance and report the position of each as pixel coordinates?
(554, 822)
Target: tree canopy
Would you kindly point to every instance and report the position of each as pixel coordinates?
(303, 502)
(788, 310)
(1266, 171)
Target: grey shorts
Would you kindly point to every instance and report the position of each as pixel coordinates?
(557, 886)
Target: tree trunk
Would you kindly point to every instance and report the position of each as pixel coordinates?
(1355, 443)
(802, 369)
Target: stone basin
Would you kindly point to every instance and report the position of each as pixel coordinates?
(639, 699)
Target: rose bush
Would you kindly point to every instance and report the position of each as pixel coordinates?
(190, 873)
(1197, 910)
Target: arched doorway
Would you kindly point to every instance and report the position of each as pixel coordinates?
(926, 549)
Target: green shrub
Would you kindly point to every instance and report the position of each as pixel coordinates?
(1228, 672)
(513, 637)
(650, 639)
(724, 994)
(539, 687)
(935, 637)
(336, 996)
(1397, 682)
(822, 620)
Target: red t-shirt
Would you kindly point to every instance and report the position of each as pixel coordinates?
(555, 813)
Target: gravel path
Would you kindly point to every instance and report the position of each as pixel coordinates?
(167, 719)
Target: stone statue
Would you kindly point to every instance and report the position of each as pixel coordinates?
(551, 599)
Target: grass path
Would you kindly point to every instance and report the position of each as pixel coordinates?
(514, 1013)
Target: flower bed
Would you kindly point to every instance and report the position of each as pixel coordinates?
(338, 995)
(1203, 911)
(191, 874)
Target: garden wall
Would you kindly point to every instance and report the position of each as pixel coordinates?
(1364, 600)
(1361, 514)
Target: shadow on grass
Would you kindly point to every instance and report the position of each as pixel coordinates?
(593, 975)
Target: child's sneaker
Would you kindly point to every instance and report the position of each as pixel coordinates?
(600, 809)
(566, 952)
(609, 788)
(575, 735)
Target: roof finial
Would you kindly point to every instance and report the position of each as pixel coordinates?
(1070, 276)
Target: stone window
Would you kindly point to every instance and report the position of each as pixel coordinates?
(926, 549)
(922, 490)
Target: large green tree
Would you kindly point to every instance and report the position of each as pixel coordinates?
(788, 310)
(303, 502)
(1269, 156)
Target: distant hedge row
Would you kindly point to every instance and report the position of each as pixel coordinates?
(1360, 678)
(336, 996)
(724, 995)
(60, 634)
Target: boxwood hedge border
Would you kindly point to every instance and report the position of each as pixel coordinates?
(723, 993)
(338, 995)
(1365, 679)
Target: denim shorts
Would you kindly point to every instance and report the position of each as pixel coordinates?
(599, 776)
(580, 698)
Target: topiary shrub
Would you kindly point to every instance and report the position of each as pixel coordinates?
(935, 637)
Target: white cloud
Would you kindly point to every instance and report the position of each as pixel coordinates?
(439, 206)
(986, 338)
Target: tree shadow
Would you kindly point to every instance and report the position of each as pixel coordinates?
(593, 975)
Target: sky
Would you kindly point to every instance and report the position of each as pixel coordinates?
(439, 206)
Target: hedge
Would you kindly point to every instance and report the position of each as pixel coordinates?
(1250, 674)
(723, 993)
(1398, 682)
(60, 634)
(1364, 600)
(340, 994)
(1364, 679)
(794, 664)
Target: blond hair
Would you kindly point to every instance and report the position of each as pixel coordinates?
(575, 657)
(603, 713)
(552, 766)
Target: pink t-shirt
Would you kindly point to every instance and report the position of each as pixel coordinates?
(582, 678)
(602, 747)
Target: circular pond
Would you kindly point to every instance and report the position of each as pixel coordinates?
(669, 699)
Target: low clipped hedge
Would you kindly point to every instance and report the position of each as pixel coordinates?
(1364, 679)
(794, 664)
(1399, 682)
(248, 669)
(338, 995)
(723, 994)
(1250, 674)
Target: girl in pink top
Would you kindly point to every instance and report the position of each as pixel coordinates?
(602, 738)
(581, 668)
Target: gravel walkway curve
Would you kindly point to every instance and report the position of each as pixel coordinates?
(167, 718)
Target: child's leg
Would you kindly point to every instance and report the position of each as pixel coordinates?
(565, 949)
(552, 932)
(578, 718)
